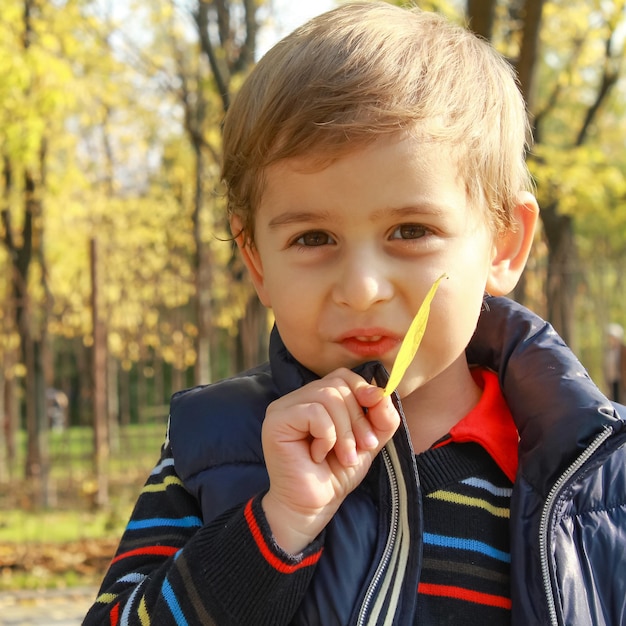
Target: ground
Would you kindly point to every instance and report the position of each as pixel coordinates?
(55, 565)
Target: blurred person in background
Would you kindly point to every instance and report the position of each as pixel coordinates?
(615, 362)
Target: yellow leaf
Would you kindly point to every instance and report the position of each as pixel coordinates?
(412, 340)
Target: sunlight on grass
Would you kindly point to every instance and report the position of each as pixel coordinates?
(61, 526)
(70, 541)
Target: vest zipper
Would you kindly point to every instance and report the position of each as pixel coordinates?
(547, 512)
(391, 540)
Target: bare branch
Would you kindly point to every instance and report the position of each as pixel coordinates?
(220, 73)
(610, 76)
(553, 99)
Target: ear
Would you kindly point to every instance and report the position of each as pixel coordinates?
(251, 258)
(512, 247)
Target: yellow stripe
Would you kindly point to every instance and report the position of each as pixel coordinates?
(167, 482)
(143, 612)
(455, 498)
(105, 598)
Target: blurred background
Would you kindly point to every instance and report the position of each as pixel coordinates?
(118, 285)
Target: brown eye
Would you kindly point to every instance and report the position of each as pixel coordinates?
(314, 238)
(409, 231)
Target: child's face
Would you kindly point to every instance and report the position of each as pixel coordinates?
(345, 255)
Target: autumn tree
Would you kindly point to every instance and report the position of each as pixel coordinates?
(569, 60)
(64, 134)
(570, 157)
(36, 79)
(227, 34)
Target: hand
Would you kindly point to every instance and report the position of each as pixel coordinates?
(319, 444)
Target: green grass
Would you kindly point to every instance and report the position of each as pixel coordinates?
(71, 512)
(70, 452)
(70, 541)
(62, 526)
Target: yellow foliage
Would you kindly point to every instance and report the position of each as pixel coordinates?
(19, 370)
(120, 168)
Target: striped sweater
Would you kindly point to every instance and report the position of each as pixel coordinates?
(466, 558)
(170, 568)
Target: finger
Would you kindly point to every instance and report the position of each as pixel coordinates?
(366, 397)
(321, 429)
(382, 416)
(342, 407)
(360, 429)
(366, 437)
(317, 413)
(357, 394)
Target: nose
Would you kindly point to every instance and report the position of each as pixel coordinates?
(363, 282)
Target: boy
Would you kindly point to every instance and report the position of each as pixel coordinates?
(369, 152)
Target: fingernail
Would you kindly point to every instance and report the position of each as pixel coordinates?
(373, 392)
(370, 440)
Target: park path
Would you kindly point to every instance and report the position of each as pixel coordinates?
(46, 608)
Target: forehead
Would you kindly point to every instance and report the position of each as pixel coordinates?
(393, 169)
(399, 178)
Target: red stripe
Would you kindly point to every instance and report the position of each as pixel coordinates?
(459, 593)
(153, 550)
(270, 557)
(115, 614)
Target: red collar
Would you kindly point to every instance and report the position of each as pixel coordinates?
(489, 424)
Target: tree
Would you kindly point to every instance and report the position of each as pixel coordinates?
(198, 51)
(567, 88)
(230, 55)
(24, 178)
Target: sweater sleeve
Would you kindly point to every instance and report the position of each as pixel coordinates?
(171, 568)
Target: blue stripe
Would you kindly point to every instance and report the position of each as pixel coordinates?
(182, 522)
(487, 486)
(133, 577)
(165, 463)
(458, 543)
(124, 620)
(172, 603)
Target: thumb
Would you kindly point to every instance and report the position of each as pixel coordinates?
(381, 412)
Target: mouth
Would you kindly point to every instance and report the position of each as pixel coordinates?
(370, 345)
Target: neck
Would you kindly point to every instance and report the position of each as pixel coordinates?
(435, 407)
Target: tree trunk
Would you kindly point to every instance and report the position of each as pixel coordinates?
(4, 432)
(527, 60)
(98, 393)
(9, 388)
(11, 420)
(481, 14)
(561, 274)
(204, 281)
(253, 335)
(113, 402)
(232, 55)
(125, 408)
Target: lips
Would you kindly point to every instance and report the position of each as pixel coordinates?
(372, 344)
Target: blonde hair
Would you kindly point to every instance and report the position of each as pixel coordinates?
(368, 69)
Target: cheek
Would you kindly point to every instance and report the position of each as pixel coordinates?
(455, 316)
(294, 308)
(294, 289)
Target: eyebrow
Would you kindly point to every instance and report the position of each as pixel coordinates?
(298, 217)
(409, 211)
